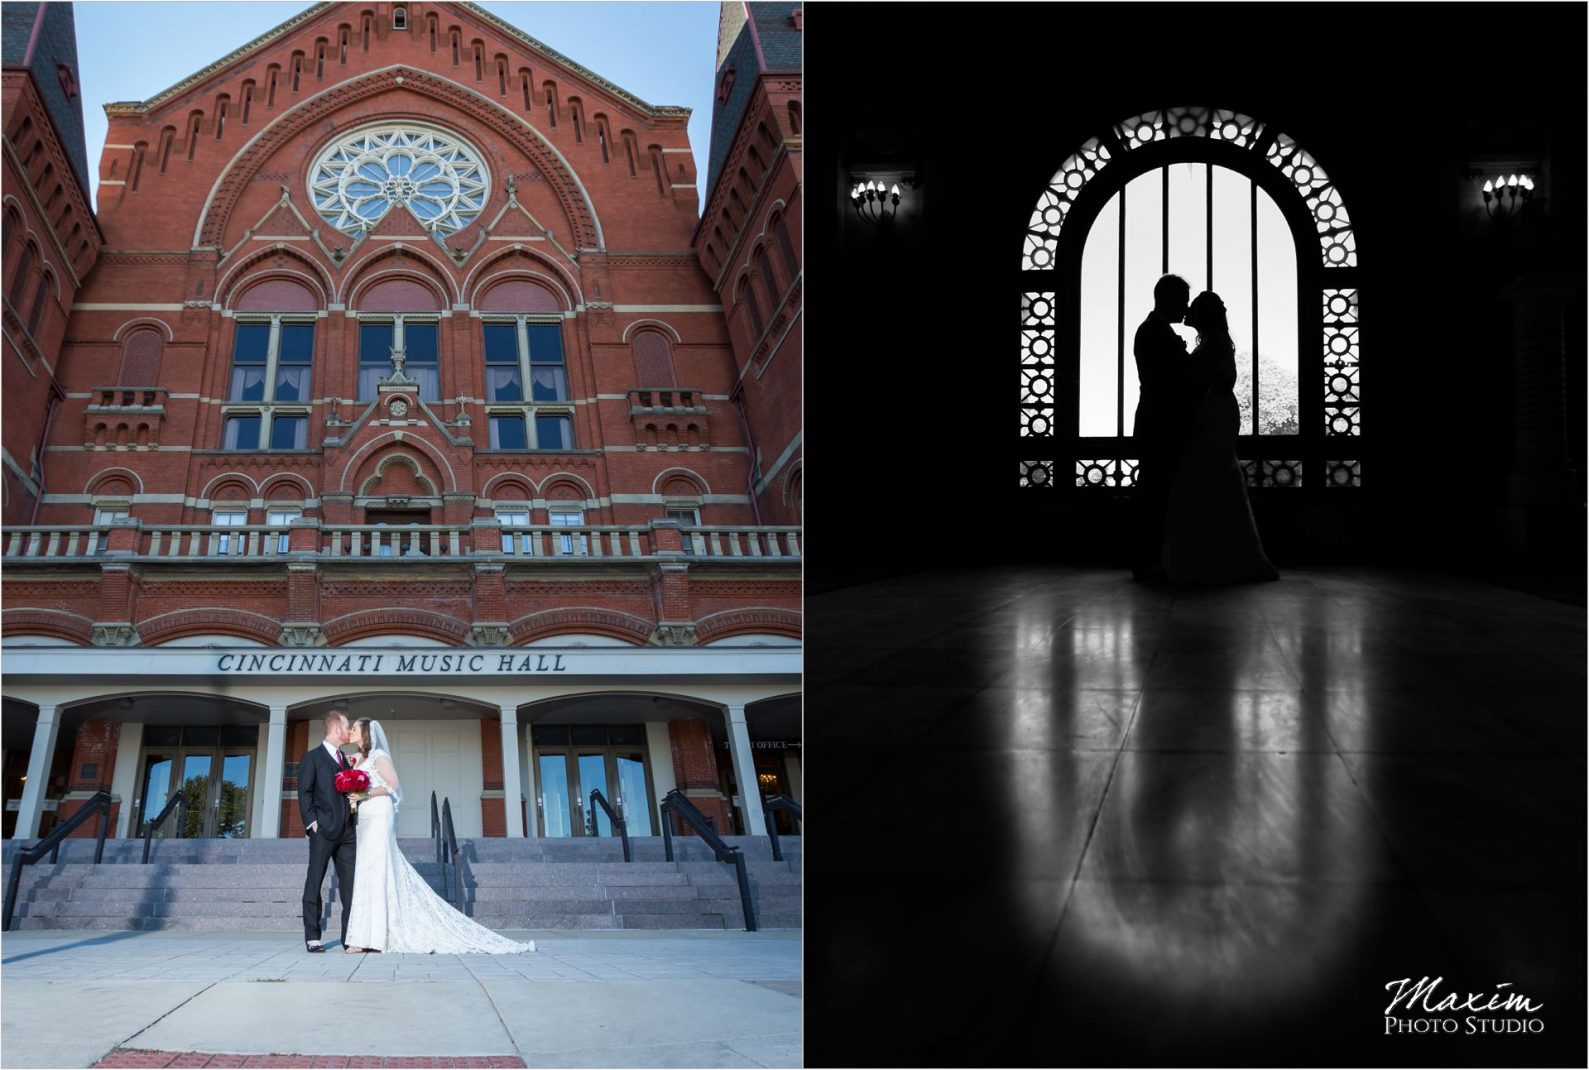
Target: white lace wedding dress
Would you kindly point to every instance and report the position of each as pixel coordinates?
(393, 909)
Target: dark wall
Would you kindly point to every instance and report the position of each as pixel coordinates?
(1474, 441)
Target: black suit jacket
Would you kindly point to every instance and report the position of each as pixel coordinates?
(1167, 376)
(318, 799)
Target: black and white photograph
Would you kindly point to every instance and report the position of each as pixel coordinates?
(1195, 664)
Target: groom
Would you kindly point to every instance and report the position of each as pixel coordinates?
(329, 823)
(1163, 419)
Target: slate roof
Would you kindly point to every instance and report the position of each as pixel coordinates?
(56, 45)
(750, 25)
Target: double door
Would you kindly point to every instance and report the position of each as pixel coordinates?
(217, 779)
(565, 777)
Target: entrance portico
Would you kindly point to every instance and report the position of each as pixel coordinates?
(428, 700)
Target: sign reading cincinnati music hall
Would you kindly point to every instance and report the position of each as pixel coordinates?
(401, 664)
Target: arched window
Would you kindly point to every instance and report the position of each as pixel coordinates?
(653, 359)
(746, 295)
(40, 294)
(19, 277)
(780, 228)
(764, 266)
(1230, 205)
(140, 358)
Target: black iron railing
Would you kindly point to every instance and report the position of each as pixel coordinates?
(435, 829)
(452, 872)
(788, 806)
(51, 845)
(596, 797)
(179, 800)
(675, 803)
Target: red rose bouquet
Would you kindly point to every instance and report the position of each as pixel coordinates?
(352, 780)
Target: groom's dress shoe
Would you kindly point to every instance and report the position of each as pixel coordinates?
(314, 946)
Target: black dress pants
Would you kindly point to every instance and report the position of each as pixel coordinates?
(341, 852)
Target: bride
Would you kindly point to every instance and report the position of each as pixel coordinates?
(1209, 533)
(392, 908)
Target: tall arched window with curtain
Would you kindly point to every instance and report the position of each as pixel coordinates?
(1230, 205)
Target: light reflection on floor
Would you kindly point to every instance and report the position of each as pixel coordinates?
(1100, 822)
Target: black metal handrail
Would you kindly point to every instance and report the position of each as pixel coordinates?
(51, 845)
(786, 804)
(435, 828)
(453, 854)
(180, 799)
(675, 803)
(618, 822)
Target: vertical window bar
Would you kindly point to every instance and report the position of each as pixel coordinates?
(1252, 185)
(1120, 330)
(1164, 184)
(1209, 217)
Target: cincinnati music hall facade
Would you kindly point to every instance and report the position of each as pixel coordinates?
(395, 376)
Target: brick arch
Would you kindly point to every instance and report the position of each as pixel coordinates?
(238, 277)
(389, 270)
(274, 483)
(793, 480)
(414, 442)
(208, 620)
(752, 620)
(508, 479)
(54, 623)
(223, 482)
(582, 489)
(308, 117)
(668, 476)
(369, 623)
(582, 620)
(541, 270)
(102, 478)
(374, 471)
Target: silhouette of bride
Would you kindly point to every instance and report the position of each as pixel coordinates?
(1209, 533)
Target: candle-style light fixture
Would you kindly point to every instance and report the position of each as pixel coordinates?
(874, 202)
(1506, 195)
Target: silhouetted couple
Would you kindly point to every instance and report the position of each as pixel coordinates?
(1195, 524)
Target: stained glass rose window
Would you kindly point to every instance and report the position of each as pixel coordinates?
(437, 176)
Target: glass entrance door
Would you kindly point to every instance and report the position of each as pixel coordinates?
(212, 767)
(570, 760)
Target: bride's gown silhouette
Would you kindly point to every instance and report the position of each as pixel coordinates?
(393, 909)
(1209, 533)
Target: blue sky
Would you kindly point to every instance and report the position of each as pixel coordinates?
(663, 53)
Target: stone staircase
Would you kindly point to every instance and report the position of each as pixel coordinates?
(229, 885)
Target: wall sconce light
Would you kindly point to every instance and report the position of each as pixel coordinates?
(875, 203)
(1505, 195)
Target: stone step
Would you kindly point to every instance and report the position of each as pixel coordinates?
(560, 850)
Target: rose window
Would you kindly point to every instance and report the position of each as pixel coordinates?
(438, 177)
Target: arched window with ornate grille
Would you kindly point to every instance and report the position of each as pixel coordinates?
(1231, 205)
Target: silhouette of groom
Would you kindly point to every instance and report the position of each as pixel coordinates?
(1163, 420)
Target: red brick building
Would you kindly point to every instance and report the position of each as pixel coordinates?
(749, 238)
(399, 385)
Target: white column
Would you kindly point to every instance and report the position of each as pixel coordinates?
(512, 793)
(745, 773)
(124, 779)
(270, 780)
(44, 734)
(527, 764)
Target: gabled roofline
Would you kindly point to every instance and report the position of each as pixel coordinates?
(135, 107)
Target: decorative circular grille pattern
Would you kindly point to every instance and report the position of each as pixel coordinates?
(438, 177)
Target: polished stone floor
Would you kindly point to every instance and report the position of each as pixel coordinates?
(1067, 819)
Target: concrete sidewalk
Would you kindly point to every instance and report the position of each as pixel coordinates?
(612, 998)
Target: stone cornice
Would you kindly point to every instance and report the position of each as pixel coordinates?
(165, 96)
